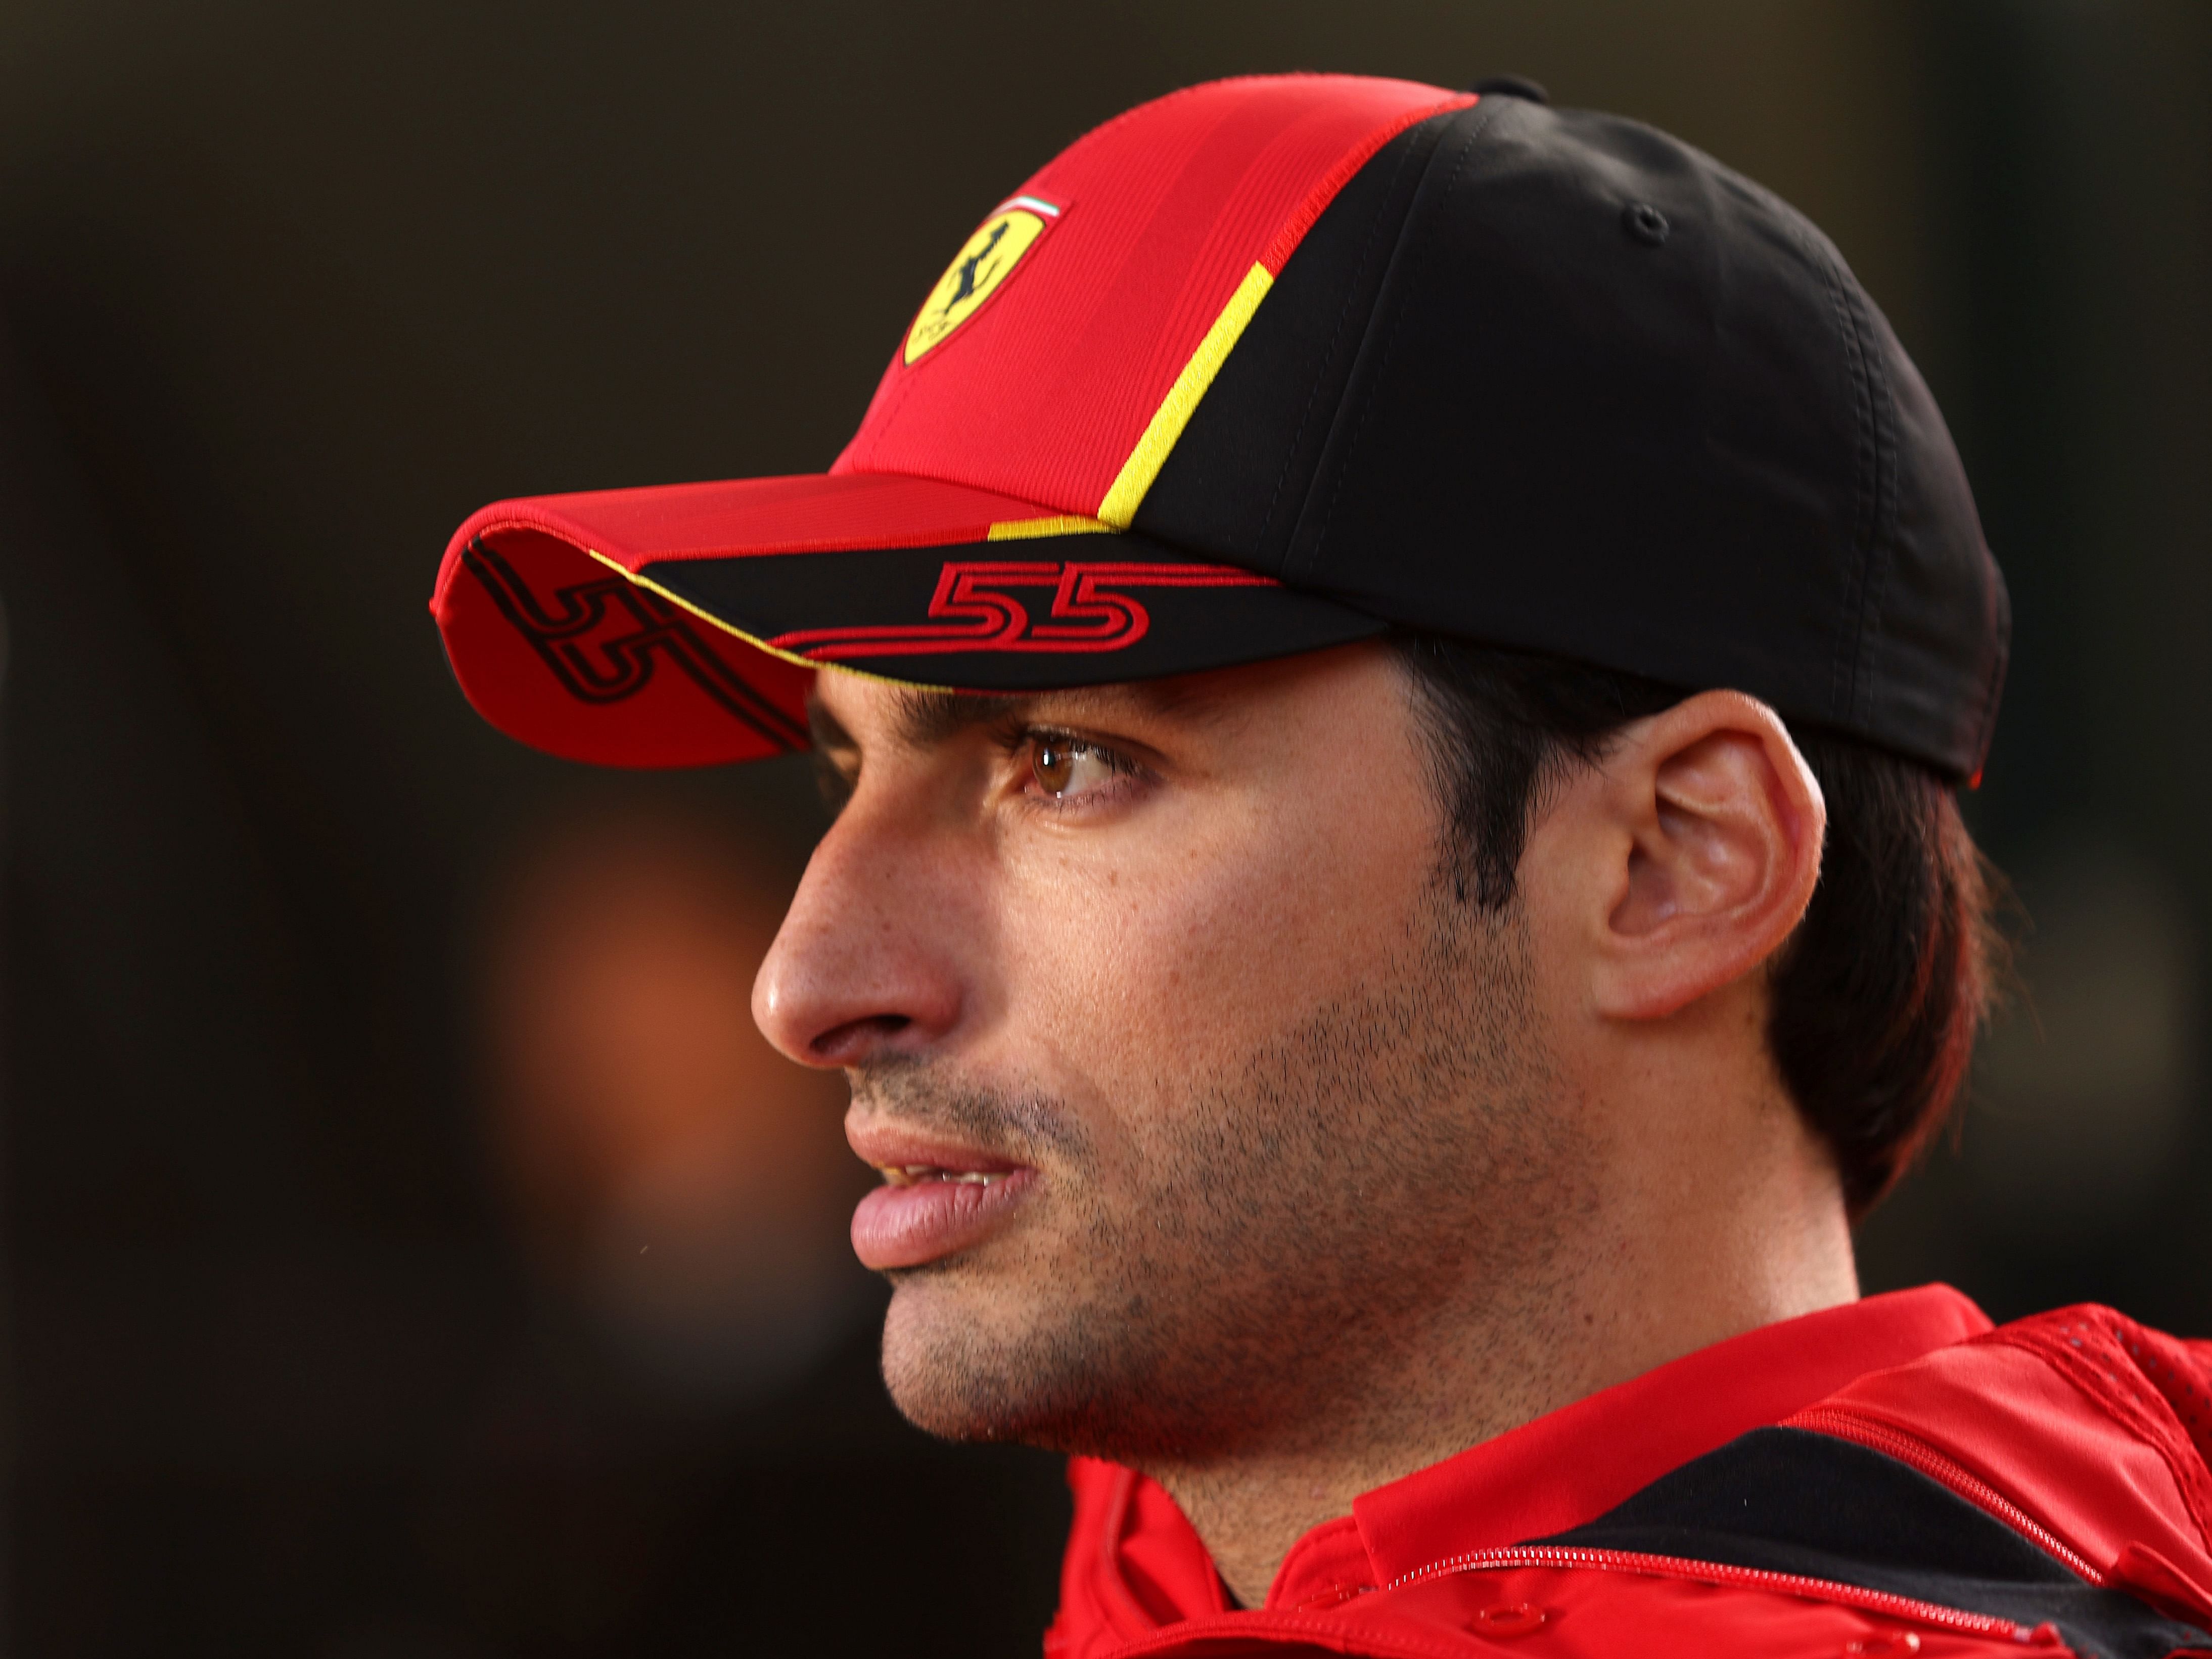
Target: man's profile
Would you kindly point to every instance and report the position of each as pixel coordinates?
(1394, 692)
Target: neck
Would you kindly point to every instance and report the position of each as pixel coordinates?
(1731, 1220)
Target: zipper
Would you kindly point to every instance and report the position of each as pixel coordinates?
(1846, 1425)
(1714, 1572)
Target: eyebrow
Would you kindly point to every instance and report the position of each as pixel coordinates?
(930, 715)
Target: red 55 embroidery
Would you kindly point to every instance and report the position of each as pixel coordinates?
(988, 606)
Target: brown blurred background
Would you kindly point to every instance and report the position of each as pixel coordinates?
(408, 1249)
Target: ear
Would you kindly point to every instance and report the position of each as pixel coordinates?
(1712, 826)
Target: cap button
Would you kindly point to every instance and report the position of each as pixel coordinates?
(1645, 222)
(1510, 86)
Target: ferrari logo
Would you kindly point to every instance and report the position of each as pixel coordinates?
(991, 252)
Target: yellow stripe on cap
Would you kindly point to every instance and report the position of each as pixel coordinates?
(1174, 413)
(1066, 523)
(754, 640)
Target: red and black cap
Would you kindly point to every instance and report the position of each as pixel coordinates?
(1279, 363)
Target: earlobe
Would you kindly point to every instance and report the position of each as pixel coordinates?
(1723, 823)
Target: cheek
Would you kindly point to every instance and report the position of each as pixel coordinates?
(1198, 940)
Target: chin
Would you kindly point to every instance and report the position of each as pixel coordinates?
(963, 1365)
(944, 1358)
(1057, 1371)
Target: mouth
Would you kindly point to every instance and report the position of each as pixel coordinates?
(919, 1175)
(937, 1199)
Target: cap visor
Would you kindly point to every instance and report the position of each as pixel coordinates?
(681, 626)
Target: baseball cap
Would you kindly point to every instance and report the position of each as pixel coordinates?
(1282, 362)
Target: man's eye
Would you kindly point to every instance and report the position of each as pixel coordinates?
(1066, 767)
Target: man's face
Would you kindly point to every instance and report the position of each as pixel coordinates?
(1201, 1097)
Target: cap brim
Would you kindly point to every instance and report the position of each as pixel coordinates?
(681, 626)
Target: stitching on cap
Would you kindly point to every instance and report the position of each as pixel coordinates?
(1842, 678)
(1335, 338)
(1882, 400)
(1475, 129)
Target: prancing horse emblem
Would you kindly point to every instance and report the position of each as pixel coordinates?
(977, 271)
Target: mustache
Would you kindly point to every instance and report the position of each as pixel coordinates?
(1022, 1124)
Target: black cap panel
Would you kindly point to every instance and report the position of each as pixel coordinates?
(1640, 474)
(1233, 485)
(1556, 381)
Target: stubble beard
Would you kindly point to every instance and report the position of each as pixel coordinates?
(1301, 1226)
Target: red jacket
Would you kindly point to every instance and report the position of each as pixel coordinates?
(1895, 1477)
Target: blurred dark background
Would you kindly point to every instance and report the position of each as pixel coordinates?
(409, 1250)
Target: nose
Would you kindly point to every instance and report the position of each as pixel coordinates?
(866, 964)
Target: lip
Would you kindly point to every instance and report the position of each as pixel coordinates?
(935, 1217)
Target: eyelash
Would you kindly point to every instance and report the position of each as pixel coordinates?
(1021, 743)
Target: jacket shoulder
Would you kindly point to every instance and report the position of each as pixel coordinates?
(2086, 1432)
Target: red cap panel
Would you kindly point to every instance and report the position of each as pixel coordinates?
(1168, 222)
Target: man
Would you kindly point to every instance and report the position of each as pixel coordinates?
(1395, 667)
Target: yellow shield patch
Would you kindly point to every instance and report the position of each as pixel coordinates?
(974, 276)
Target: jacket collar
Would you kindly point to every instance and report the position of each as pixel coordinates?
(1135, 1563)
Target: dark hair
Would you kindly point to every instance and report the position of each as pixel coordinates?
(1878, 995)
